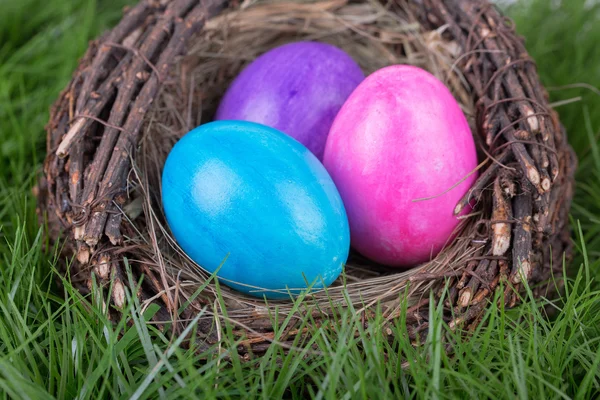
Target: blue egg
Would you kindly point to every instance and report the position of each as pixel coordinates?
(256, 205)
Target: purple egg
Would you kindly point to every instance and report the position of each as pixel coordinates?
(297, 88)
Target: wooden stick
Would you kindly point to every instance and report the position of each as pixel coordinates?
(501, 211)
(114, 176)
(98, 67)
(121, 106)
(521, 267)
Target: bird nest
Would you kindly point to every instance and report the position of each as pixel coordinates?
(162, 71)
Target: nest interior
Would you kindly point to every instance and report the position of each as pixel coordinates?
(162, 71)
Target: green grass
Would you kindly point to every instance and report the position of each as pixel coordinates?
(52, 343)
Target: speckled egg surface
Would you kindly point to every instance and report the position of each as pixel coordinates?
(297, 88)
(256, 203)
(401, 136)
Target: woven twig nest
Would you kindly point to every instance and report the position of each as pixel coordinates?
(162, 71)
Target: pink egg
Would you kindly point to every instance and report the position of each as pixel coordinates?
(401, 136)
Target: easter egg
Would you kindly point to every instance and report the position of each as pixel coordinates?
(397, 151)
(253, 204)
(297, 88)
